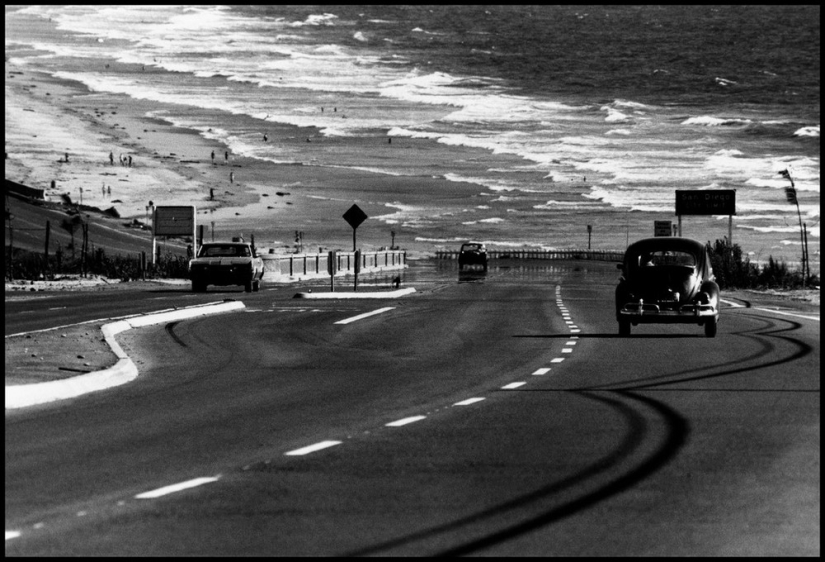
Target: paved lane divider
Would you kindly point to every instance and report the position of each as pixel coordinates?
(20, 396)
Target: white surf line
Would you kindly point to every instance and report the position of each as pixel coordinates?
(513, 385)
(542, 371)
(365, 315)
(312, 448)
(12, 534)
(177, 487)
(405, 421)
(468, 401)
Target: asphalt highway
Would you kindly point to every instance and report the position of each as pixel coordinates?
(496, 414)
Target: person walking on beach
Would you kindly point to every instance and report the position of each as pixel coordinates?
(213, 157)
(130, 160)
(226, 156)
(111, 158)
(67, 158)
(231, 177)
(266, 138)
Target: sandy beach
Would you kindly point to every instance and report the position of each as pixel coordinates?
(48, 118)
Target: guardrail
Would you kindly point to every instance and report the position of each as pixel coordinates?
(289, 267)
(535, 254)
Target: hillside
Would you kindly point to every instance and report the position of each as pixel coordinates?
(26, 229)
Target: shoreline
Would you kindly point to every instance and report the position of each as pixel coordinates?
(416, 193)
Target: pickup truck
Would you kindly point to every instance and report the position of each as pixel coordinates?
(226, 263)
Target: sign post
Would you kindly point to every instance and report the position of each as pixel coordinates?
(355, 216)
(332, 268)
(174, 221)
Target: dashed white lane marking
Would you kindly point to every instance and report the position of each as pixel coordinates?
(542, 371)
(405, 421)
(557, 360)
(567, 350)
(576, 331)
(176, 487)
(570, 343)
(513, 385)
(312, 448)
(365, 315)
(12, 534)
(468, 401)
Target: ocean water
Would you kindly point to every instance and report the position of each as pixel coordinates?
(562, 116)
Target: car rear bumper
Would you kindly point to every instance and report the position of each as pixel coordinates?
(653, 314)
(225, 277)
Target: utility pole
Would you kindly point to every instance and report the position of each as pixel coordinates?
(790, 193)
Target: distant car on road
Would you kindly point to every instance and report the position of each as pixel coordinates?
(472, 253)
(226, 263)
(667, 280)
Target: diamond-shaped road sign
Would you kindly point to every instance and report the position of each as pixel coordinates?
(355, 216)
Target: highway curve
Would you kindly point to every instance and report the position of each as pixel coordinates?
(496, 414)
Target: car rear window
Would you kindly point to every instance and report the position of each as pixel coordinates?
(224, 251)
(665, 258)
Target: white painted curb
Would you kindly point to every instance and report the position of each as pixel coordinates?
(357, 295)
(20, 396)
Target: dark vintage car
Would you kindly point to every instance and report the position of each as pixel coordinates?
(226, 263)
(472, 253)
(667, 280)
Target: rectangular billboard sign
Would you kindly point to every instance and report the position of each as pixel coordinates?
(662, 228)
(706, 202)
(174, 221)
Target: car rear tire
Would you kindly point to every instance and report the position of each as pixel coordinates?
(247, 287)
(624, 328)
(710, 327)
(256, 285)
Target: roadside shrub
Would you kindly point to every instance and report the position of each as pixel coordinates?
(735, 270)
(31, 265)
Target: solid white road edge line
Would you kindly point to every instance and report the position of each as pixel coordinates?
(365, 315)
(177, 487)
